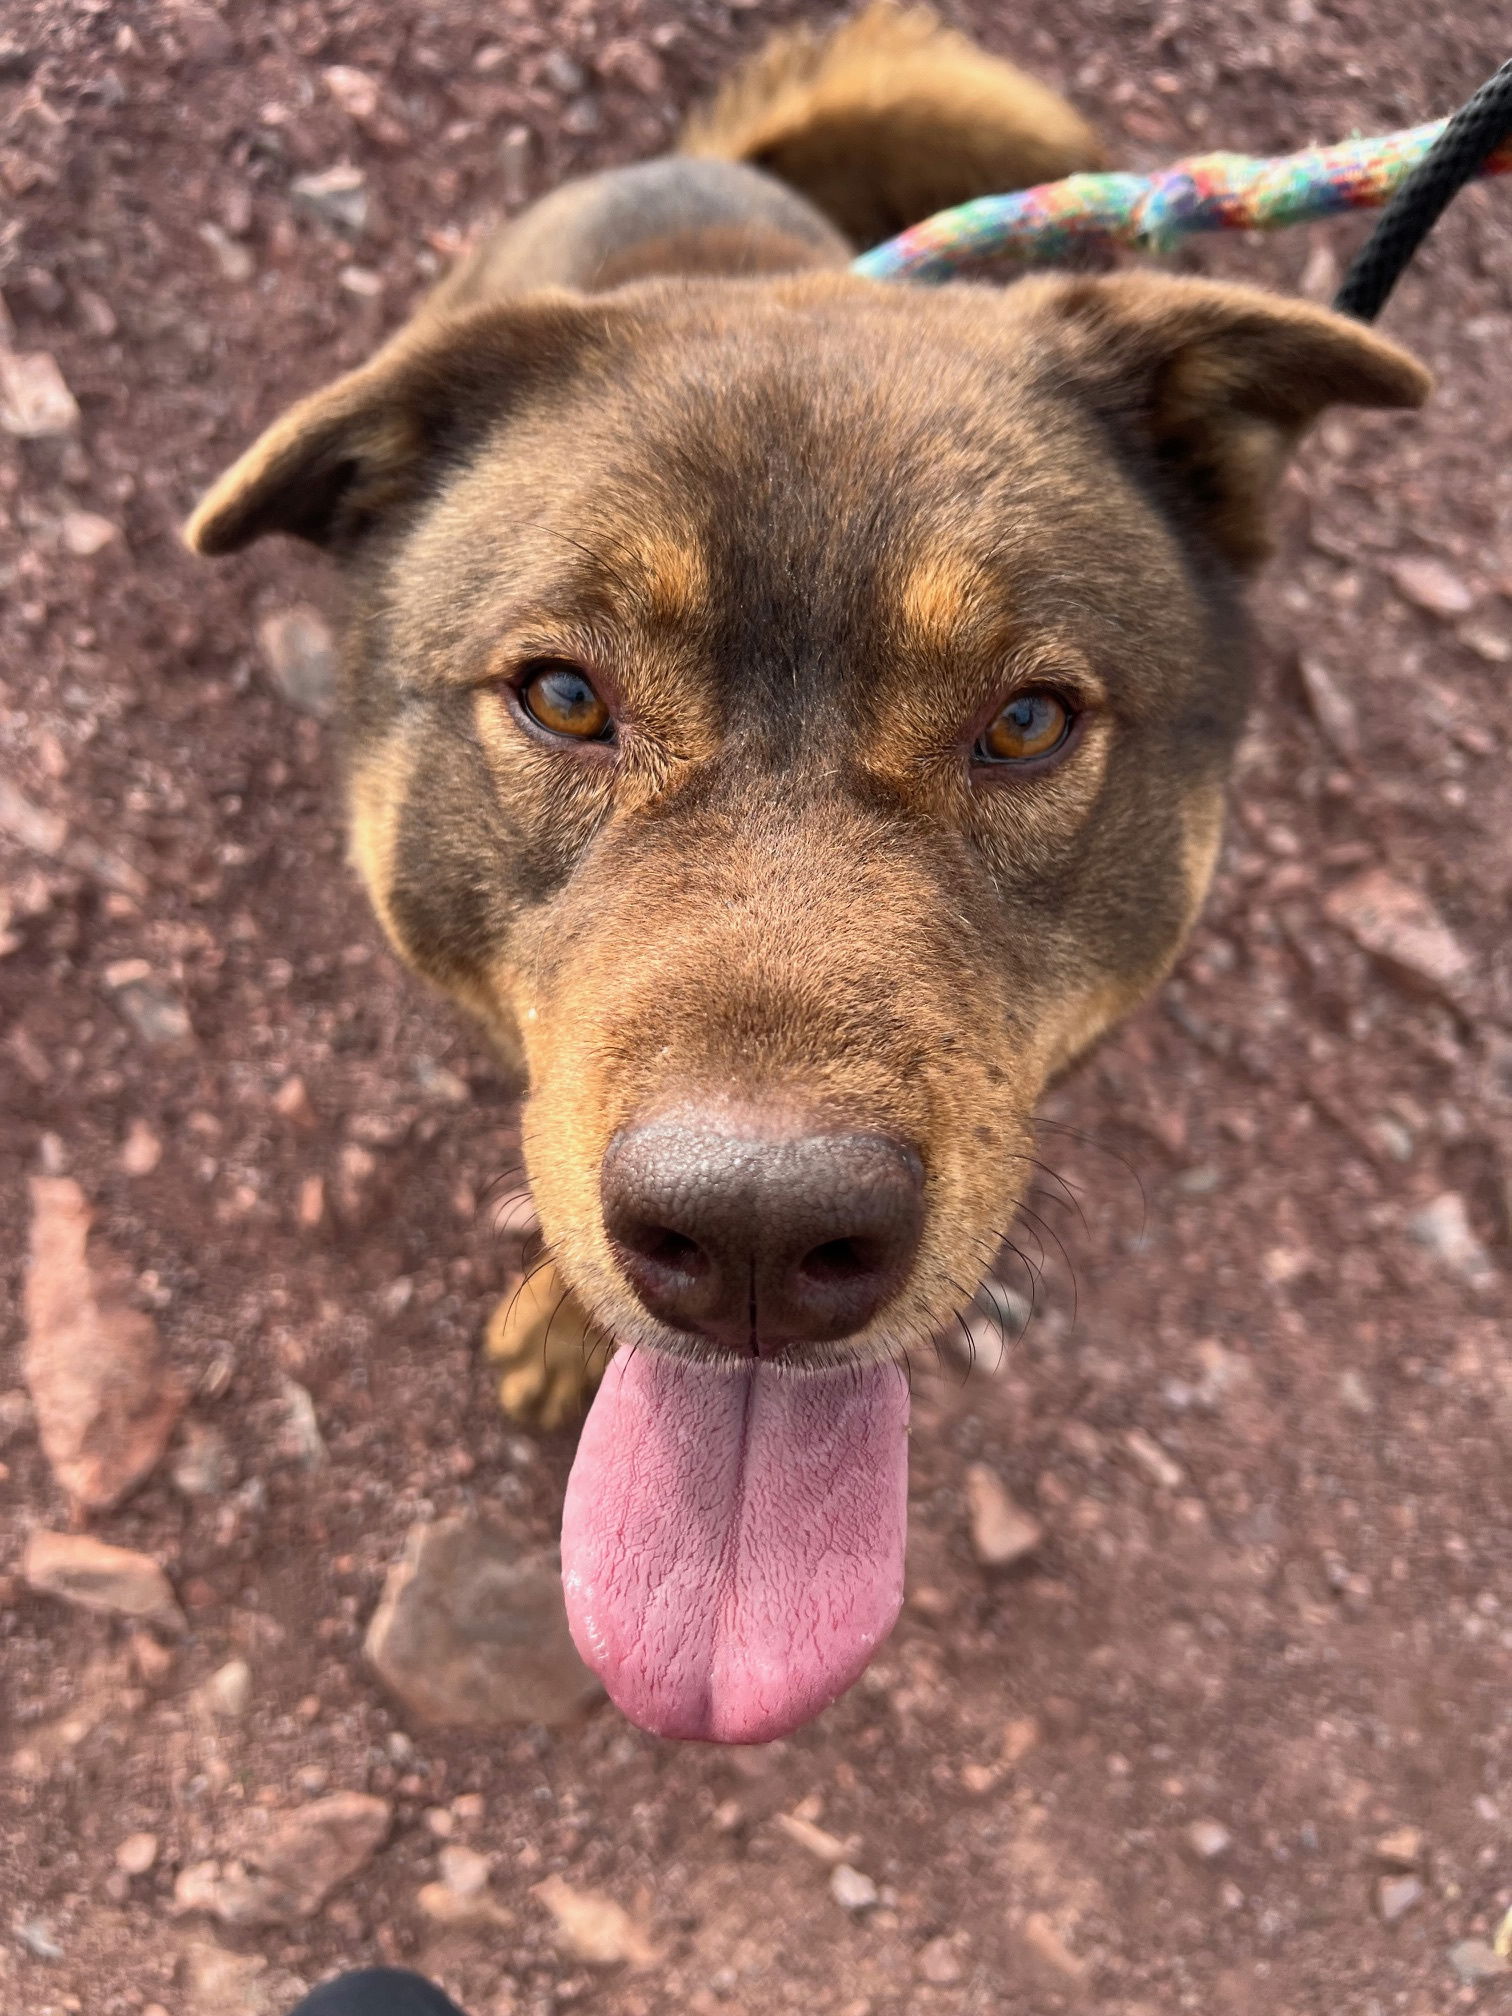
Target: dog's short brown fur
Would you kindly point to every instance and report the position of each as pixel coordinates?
(808, 532)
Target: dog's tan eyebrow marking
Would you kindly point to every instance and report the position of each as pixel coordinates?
(670, 572)
(941, 594)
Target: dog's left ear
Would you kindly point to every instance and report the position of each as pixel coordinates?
(353, 453)
(1216, 383)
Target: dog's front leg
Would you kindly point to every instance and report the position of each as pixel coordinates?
(550, 1355)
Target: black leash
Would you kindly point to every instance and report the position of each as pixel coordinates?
(1455, 158)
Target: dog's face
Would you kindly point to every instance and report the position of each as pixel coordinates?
(796, 713)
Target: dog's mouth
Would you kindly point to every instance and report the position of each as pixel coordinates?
(733, 1538)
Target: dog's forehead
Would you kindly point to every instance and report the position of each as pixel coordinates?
(807, 499)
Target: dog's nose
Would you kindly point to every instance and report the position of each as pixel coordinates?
(759, 1236)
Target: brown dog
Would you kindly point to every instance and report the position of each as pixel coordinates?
(793, 713)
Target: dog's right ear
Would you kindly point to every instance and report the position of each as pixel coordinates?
(373, 441)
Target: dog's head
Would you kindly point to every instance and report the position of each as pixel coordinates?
(795, 715)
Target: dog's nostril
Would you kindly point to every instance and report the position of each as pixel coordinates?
(673, 1250)
(839, 1260)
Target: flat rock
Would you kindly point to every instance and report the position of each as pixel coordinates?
(470, 1635)
(1429, 584)
(1402, 929)
(287, 1873)
(1002, 1532)
(299, 649)
(105, 1397)
(78, 1569)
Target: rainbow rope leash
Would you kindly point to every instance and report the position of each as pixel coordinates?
(1150, 213)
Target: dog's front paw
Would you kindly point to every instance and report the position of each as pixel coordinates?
(551, 1357)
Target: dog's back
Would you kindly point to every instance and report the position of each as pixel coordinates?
(819, 147)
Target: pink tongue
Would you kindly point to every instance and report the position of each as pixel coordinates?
(732, 1540)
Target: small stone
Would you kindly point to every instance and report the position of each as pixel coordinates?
(85, 533)
(336, 196)
(939, 1963)
(1153, 1460)
(1487, 642)
(34, 399)
(227, 1694)
(1395, 1896)
(141, 1151)
(1401, 1848)
(562, 74)
(1208, 1839)
(593, 1927)
(202, 1466)
(582, 117)
(362, 281)
(1475, 1960)
(463, 1870)
(17, 1415)
(632, 63)
(137, 1853)
(1429, 584)
(470, 1634)
(300, 651)
(292, 1102)
(514, 166)
(105, 1397)
(1020, 1736)
(355, 1190)
(443, 1906)
(302, 1439)
(310, 1203)
(1443, 1226)
(1332, 708)
(235, 262)
(436, 1082)
(151, 1007)
(1001, 1531)
(851, 1889)
(355, 91)
(286, 1874)
(1402, 929)
(816, 1841)
(1044, 1944)
(1355, 1395)
(77, 1568)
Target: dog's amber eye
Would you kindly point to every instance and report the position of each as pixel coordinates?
(561, 697)
(1032, 724)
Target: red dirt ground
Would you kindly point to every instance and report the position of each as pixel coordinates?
(1299, 1625)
